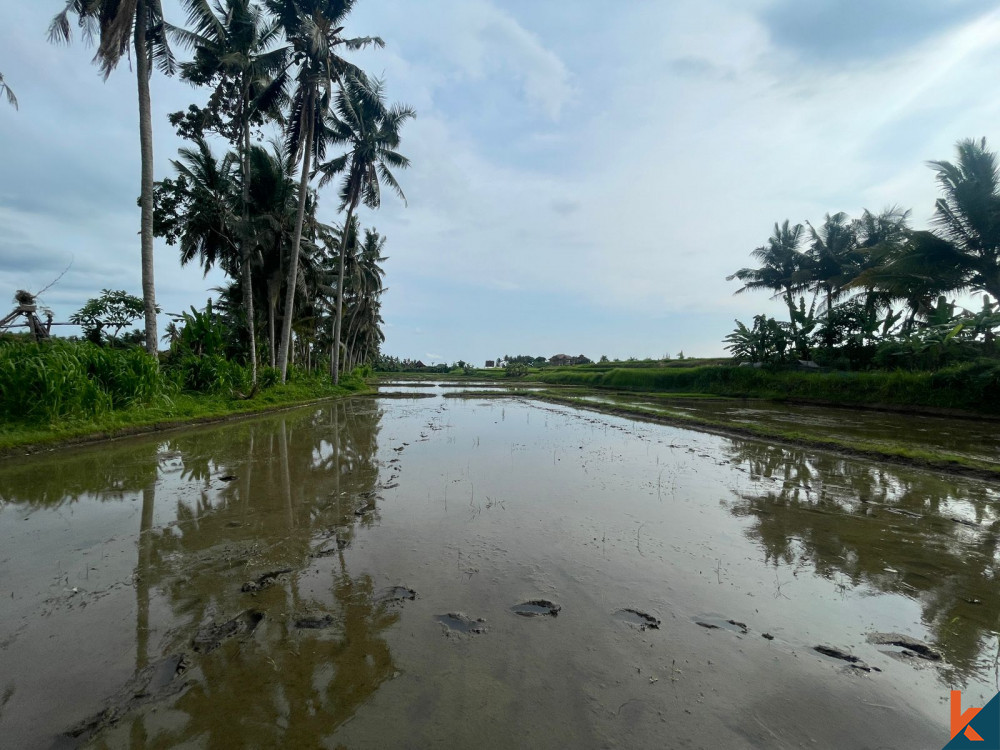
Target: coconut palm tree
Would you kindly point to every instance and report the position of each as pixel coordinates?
(783, 268)
(968, 215)
(233, 41)
(364, 327)
(273, 213)
(915, 270)
(198, 210)
(878, 236)
(313, 27)
(370, 130)
(121, 25)
(5, 90)
(831, 265)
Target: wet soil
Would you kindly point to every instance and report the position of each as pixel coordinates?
(536, 608)
(144, 602)
(964, 437)
(637, 619)
(212, 636)
(461, 624)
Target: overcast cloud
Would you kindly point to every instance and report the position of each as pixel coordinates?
(581, 182)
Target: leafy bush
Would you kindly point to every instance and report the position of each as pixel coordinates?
(766, 342)
(515, 370)
(204, 333)
(112, 310)
(268, 377)
(210, 374)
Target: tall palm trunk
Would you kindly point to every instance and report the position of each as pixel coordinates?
(293, 267)
(333, 346)
(272, 304)
(351, 343)
(790, 301)
(340, 292)
(146, 185)
(247, 274)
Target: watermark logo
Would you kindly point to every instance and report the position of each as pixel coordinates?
(974, 727)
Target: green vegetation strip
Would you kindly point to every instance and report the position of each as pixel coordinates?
(970, 388)
(168, 412)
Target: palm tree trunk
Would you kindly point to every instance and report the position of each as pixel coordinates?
(333, 346)
(293, 267)
(272, 304)
(350, 344)
(790, 301)
(340, 292)
(146, 184)
(245, 241)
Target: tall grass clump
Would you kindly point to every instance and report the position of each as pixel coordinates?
(209, 374)
(47, 381)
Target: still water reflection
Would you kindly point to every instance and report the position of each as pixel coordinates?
(280, 582)
(920, 535)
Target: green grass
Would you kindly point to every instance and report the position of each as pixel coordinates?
(974, 388)
(166, 412)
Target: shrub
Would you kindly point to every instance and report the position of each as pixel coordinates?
(515, 370)
(268, 377)
(210, 374)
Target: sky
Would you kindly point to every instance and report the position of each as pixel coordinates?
(582, 181)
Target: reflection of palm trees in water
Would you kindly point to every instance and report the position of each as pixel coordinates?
(891, 529)
(291, 687)
(298, 478)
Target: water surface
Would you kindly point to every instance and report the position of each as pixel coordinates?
(349, 575)
(974, 439)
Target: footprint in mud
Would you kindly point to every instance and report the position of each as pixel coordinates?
(852, 661)
(333, 549)
(909, 648)
(314, 623)
(536, 608)
(148, 685)
(456, 623)
(397, 595)
(365, 508)
(637, 619)
(264, 581)
(713, 622)
(210, 637)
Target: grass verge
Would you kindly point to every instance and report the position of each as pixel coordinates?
(970, 388)
(168, 412)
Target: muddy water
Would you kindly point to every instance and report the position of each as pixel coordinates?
(977, 440)
(358, 575)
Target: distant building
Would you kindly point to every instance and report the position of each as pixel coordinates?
(490, 363)
(418, 363)
(568, 359)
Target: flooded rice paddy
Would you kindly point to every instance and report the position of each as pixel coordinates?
(441, 572)
(977, 440)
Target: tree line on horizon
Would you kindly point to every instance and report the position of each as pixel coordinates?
(881, 293)
(282, 95)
